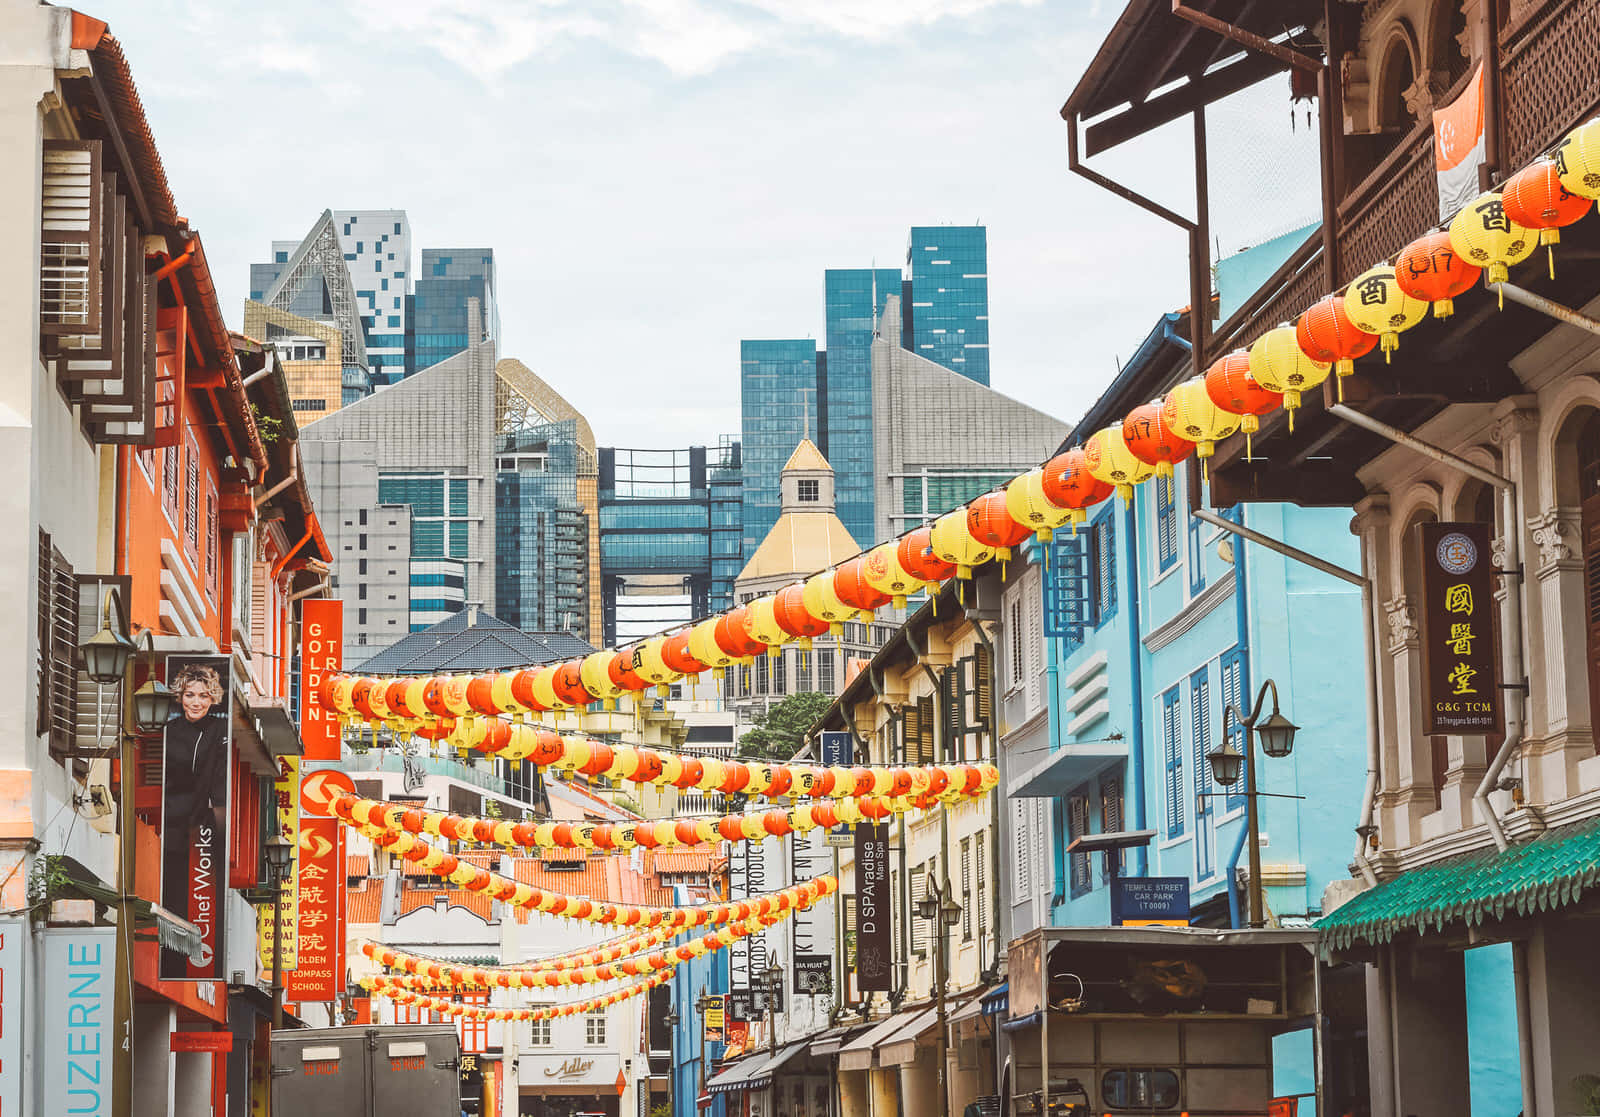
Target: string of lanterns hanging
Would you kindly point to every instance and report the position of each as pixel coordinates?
(1496, 231)
(752, 826)
(448, 1007)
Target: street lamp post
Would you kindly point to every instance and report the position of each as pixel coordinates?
(704, 1004)
(671, 1021)
(280, 853)
(772, 989)
(944, 913)
(1277, 741)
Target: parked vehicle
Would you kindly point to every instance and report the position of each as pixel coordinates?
(399, 1070)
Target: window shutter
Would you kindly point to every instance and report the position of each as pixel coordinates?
(983, 689)
(1034, 649)
(1200, 723)
(1020, 813)
(72, 235)
(1105, 547)
(44, 596)
(1069, 587)
(1172, 745)
(96, 710)
(1111, 812)
(966, 888)
(919, 926)
(1077, 827)
(1235, 684)
(980, 870)
(923, 741)
(951, 701)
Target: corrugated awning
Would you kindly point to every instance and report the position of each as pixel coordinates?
(901, 1047)
(753, 1072)
(1551, 871)
(830, 1041)
(860, 1052)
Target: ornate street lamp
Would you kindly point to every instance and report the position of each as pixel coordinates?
(280, 856)
(939, 908)
(1227, 762)
(105, 655)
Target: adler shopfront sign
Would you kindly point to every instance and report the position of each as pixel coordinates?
(569, 1072)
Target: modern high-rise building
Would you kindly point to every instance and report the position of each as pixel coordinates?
(447, 278)
(377, 250)
(779, 390)
(542, 529)
(854, 300)
(309, 353)
(670, 542)
(948, 268)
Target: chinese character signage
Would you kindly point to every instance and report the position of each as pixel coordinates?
(197, 752)
(321, 654)
(285, 791)
(75, 1042)
(1461, 684)
(874, 949)
(319, 976)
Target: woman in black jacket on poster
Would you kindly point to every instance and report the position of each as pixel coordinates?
(195, 775)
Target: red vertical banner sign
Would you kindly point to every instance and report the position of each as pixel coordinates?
(320, 973)
(321, 654)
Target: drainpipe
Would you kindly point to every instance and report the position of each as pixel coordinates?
(1278, 546)
(1241, 614)
(284, 561)
(997, 797)
(1512, 677)
(1130, 531)
(294, 475)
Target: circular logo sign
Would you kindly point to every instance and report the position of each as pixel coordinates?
(1456, 553)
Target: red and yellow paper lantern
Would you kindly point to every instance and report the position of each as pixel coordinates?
(703, 646)
(851, 585)
(597, 680)
(734, 635)
(1109, 460)
(990, 522)
(1028, 505)
(953, 543)
(822, 600)
(796, 619)
(1326, 333)
(676, 655)
(1232, 388)
(1535, 199)
(1577, 159)
(1430, 269)
(883, 572)
(1485, 236)
(1067, 481)
(1152, 441)
(764, 624)
(916, 556)
(1279, 365)
(1377, 304)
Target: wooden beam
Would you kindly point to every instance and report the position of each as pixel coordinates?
(1139, 119)
(1316, 484)
(130, 172)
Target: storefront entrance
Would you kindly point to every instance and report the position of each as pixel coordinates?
(570, 1105)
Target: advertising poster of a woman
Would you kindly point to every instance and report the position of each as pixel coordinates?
(194, 819)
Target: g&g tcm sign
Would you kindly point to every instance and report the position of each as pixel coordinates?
(1461, 678)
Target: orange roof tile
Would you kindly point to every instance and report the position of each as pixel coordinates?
(364, 905)
(477, 903)
(357, 865)
(691, 859)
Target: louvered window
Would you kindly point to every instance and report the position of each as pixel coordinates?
(1111, 819)
(1200, 723)
(923, 742)
(1166, 524)
(966, 889)
(191, 503)
(1105, 565)
(1235, 685)
(1020, 868)
(81, 718)
(1069, 587)
(1172, 754)
(213, 542)
(71, 235)
(1077, 827)
(980, 871)
(919, 926)
(983, 689)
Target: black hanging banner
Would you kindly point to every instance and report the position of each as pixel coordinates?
(874, 942)
(1460, 675)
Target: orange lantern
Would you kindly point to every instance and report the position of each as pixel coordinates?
(989, 521)
(883, 572)
(568, 684)
(1431, 269)
(1152, 441)
(1326, 333)
(916, 555)
(850, 583)
(622, 672)
(1068, 483)
(734, 637)
(794, 618)
(1535, 199)
(1232, 388)
(676, 655)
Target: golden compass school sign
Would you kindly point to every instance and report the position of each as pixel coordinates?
(1461, 680)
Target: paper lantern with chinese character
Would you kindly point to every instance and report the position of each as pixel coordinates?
(1377, 303)
(1152, 441)
(954, 544)
(1028, 505)
(1067, 481)
(544, 689)
(1484, 235)
(1430, 269)
(734, 636)
(764, 624)
(822, 600)
(568, 684)
(1535, 199)
(795, 617)
(1232, 388)
(1577, 160)
(676, 655)
(916, 556)
(649, 666)
(1191, 412)
(622, 672)
(990, 522)
(1325, 333)
(883, 572)
(704, 647)
(597, 680)
(1278, 365)
(1110, 460)
(850, 583)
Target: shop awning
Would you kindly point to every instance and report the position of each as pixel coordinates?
(754, 1072)
(829, 1042)
(860, 1052)
(967, 1011)
(997, 1001)
(901, 1047)
(1551, 871)
(1066, 768)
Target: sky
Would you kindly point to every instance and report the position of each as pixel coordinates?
(662, 178)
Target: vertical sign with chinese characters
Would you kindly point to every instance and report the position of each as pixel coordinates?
(285, 798)
(321, 654)
(874, 949)
(320, 973)
(1461, 683)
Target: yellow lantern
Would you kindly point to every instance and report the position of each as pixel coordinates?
(1191, 413)
(649, 666)
(763, 623)
(822, 601)
(1578, 160)
(1026, 502)
(954, 544)
(500, 692)
(595, 672)
(704, 647)
(1485, 237)
(1377, 304)
(1110, 460)
(1278, 364)
(883, 572)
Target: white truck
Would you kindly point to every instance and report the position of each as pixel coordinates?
(396, 1070)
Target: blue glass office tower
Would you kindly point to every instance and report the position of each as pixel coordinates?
(854, 300)
(949, 270)
(541, 531)
(437, 315)
(779, 390)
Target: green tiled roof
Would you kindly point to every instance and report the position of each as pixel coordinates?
(1549, 872)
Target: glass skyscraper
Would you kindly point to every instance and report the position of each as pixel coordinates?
(447, 278)
(948, 266)
(377, 250)
(541, 531)
(854, 300)
(669, 536)
(779, 389)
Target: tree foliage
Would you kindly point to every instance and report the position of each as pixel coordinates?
(778, 734)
